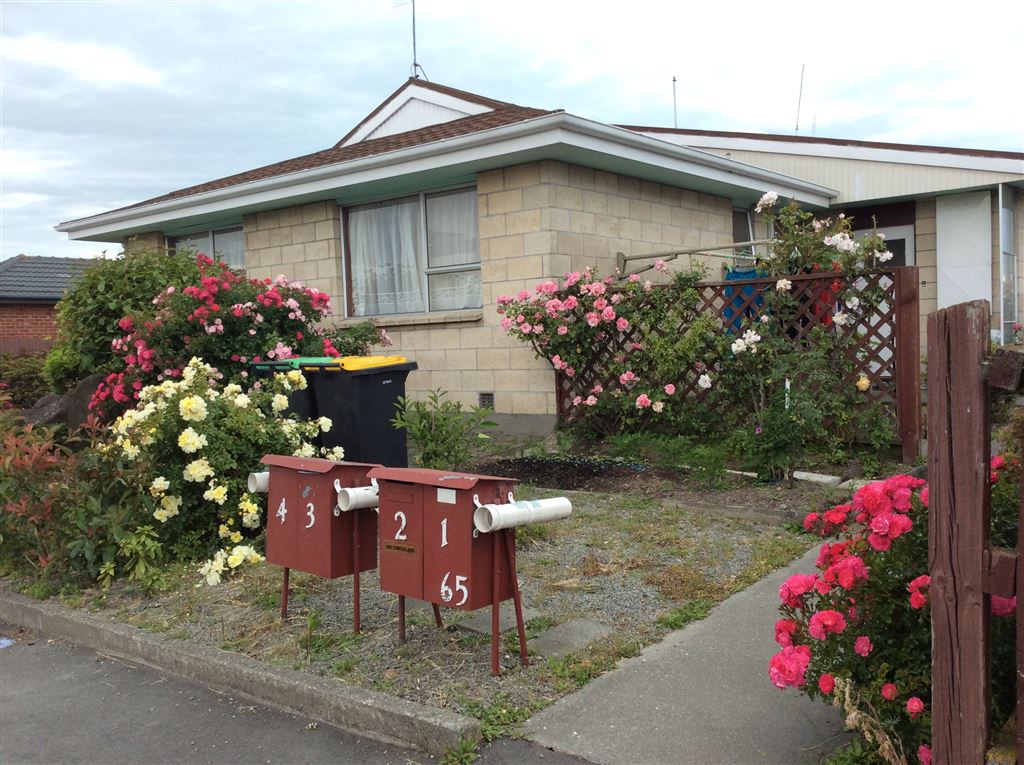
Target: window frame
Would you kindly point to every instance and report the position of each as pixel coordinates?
(171, 242)
(421, 200)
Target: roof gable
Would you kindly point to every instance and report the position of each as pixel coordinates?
(419, 104)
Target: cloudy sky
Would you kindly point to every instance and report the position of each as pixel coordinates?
(103, 104)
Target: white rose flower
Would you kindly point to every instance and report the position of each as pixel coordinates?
(783, 285)
(704, 382)
(738, 346)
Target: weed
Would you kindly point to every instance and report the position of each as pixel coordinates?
(533, 628)
(770, 551)
(681, 582)
(342, 667)
(498, 718)
(464, 753)
(679, 617)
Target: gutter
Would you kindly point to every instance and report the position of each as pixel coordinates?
(562, 127)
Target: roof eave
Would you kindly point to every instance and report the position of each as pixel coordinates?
(547, 130)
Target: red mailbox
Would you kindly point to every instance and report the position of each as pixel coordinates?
(430, 550)
(306, 530)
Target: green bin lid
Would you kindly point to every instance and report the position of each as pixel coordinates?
(311, 361)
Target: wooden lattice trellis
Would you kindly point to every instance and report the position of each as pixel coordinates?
(887, 351)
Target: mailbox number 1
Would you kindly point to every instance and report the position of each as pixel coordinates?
(400, 517)
(460, 586)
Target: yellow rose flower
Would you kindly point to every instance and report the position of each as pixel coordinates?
(159, 486)
(197, 471)
(863, 383)
(190, 442)
(279, 403)
(192, 408)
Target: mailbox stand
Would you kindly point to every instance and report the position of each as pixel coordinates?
(307, 531)
(431, 550)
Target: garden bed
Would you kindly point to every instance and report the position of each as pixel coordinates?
(640, 563)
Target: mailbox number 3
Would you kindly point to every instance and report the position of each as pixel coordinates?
(309, 514)
(460, 587)
(400, 517)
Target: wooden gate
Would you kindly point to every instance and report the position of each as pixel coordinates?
(965, 569)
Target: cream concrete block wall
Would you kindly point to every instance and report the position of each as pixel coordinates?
(151, 240)
(303, 243)
(925, 257)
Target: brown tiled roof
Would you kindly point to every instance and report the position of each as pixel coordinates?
(831, 141)
(503, 115)
(455, 92)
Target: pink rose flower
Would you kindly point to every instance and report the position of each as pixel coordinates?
(1004, 606)
(889, 692)
(793, 589)
(862, 645)
(825, 623)
(642, 401)
(622, 325)
(784, 631)
(787, 667)
(924, 754)
(915, 706)
(826, 683)
(670, 389)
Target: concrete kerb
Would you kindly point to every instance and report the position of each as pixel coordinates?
(357, 710)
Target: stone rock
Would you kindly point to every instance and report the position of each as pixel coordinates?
(480, 621)
(818, 478)
(70, 410)
(568, 637)
(921, 471)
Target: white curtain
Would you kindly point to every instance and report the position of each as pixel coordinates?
(387, 266)
(453, 240)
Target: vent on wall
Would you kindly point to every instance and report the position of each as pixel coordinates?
(487, 400)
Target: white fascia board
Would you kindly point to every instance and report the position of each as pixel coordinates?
(864, 153)
(521, 137)
(467, 108)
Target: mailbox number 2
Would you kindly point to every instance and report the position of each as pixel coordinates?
(460, 587)
(400, 517)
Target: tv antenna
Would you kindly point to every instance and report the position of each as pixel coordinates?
(799, 98)
(416, 70)
(675, 112)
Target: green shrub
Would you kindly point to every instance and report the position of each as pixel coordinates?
(23, 376)
(88, 316)
(441, 433)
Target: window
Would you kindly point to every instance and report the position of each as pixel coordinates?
(898, 239)
(415, 254)
(228, 244)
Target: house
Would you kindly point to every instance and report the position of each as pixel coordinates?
(30, 287)
(441, 200)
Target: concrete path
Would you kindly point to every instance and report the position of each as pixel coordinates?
(700, 696)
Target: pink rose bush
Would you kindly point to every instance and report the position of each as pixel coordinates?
(229, 321)
(857, 631)
(569, 325)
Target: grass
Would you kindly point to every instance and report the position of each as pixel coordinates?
(679, 617)
(499, 717)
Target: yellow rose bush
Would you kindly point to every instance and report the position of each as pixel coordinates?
(193, 444)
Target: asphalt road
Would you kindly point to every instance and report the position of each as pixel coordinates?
(60, 703)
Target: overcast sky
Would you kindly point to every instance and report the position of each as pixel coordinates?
(106, 104)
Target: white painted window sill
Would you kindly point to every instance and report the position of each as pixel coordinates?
(417, 319)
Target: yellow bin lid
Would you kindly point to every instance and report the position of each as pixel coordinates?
(353, 363)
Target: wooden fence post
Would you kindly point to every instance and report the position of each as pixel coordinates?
(958, 532)
(908, 361)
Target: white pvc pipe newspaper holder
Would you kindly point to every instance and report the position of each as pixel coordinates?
(488, 518)
(357, 498)
(259, 483)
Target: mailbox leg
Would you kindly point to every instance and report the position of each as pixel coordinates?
(401, 618)
(284, 595)
(355, 574)
(495, 610)
(510, 551)
(437, 615)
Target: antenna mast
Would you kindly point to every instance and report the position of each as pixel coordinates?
(799, 98)
(416, 68)
(675, 112)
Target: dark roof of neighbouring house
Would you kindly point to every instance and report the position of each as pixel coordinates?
(503, 114)
(38, 279)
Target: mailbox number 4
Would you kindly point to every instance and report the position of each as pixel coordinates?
(460, 587)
